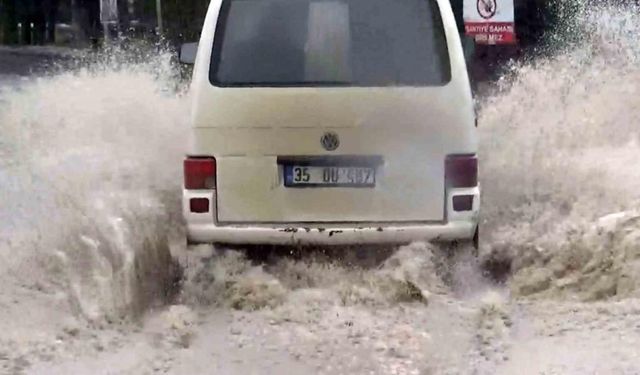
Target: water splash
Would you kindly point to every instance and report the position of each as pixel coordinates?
(229, 279)
(91, 205)
(91, 201)
(559, 140)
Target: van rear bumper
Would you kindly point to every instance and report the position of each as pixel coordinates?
(202, 228)
(334, 235)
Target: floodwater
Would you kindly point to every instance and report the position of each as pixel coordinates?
(96, 277)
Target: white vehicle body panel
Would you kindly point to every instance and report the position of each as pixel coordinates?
(413, 129)
(458, 226)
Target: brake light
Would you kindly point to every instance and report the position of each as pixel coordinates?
(200, 173)
(461, 171)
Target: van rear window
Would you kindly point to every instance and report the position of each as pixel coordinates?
(330, 43)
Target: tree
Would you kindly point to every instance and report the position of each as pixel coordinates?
(8, 22)
(85, 15)
(183, 19)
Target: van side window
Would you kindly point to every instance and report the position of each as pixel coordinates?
(330, 43)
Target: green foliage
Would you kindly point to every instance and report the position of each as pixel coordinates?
(183, 19)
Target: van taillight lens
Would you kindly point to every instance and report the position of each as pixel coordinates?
(200, 173)
(461, 171)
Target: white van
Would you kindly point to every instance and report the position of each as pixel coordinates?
(322, 122)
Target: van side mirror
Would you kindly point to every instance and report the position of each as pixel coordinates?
(188, 52)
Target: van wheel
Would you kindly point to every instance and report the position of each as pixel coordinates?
(465, 247)
(476, 242)
(472, 246)
(459, 252)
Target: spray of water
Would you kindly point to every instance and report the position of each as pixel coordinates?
(560, 140)
(90, 184)
(90, 213)
(90, 203)
(229, 279)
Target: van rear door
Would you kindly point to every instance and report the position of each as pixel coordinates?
(331, 111)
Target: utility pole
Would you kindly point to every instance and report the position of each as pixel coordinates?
(159, 16)
(109, 16)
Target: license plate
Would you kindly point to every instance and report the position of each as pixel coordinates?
(329, 176)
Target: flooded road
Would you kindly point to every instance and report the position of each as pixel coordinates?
(96, 277)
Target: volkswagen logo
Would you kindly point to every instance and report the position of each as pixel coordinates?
(330, 141)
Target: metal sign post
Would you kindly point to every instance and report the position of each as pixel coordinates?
(108, 16)
(159, 15)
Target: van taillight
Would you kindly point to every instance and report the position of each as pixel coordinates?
(461, 171)
(200, 173)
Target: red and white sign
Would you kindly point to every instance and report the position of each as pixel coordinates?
(490, 21)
